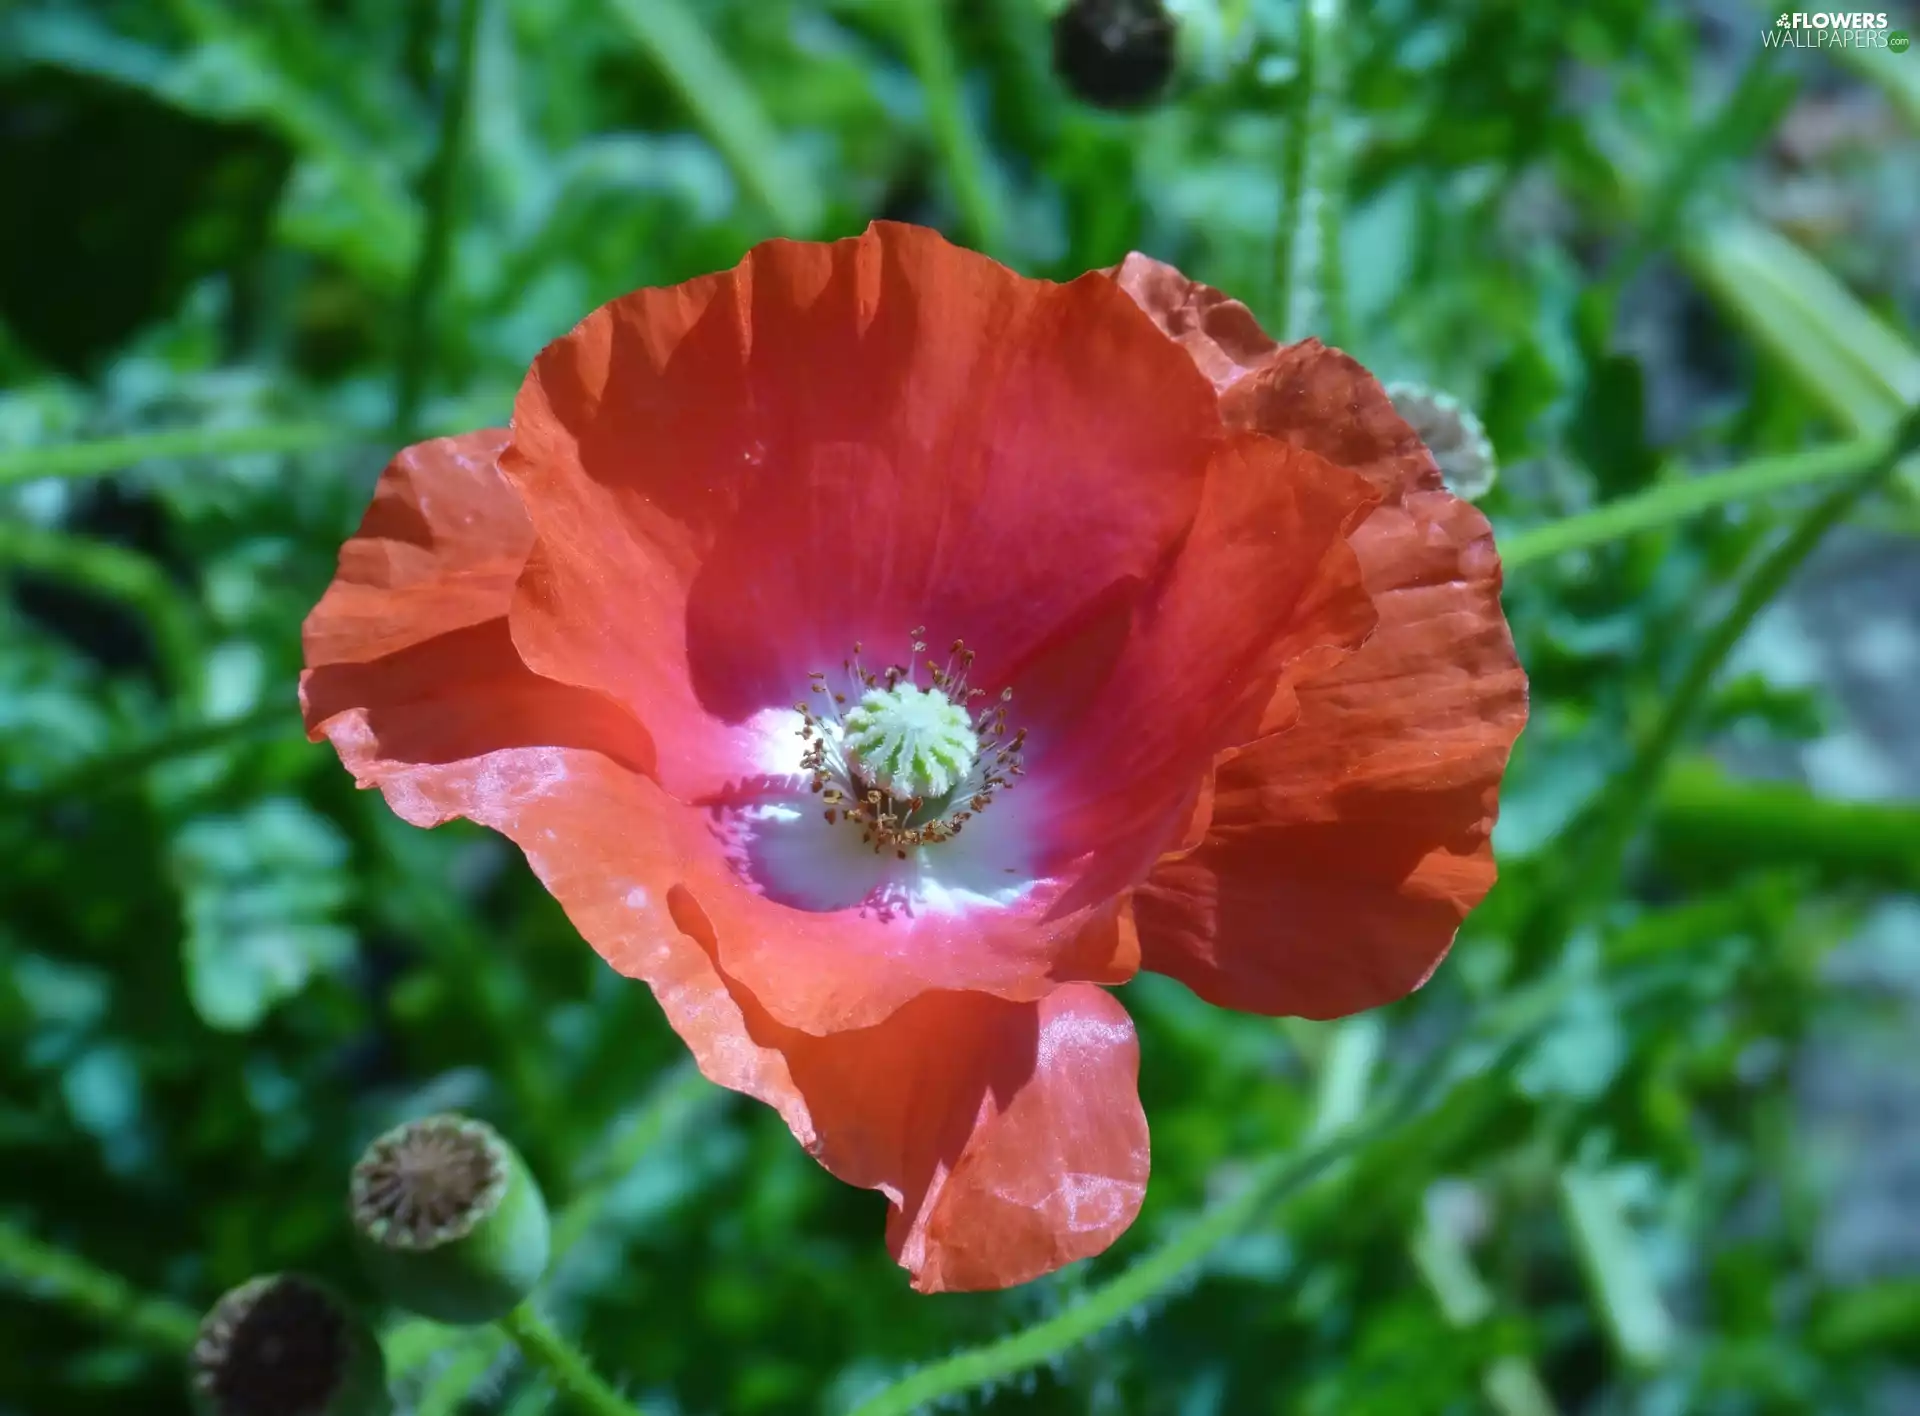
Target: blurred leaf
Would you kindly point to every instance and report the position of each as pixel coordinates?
(261, 894)
(1617, 1270)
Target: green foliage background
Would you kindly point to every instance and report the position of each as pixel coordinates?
(238, 233)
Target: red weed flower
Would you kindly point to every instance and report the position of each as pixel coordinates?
(879, 653)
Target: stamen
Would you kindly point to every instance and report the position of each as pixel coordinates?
(908, 766)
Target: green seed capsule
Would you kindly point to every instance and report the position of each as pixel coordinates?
(286, 1346)
(451, 1223)
(1453, 434)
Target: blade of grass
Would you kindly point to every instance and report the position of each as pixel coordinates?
(122, 769)
(725, 106)
(436, 239)
(1623, 1285)
(1709, 822)
(1863, 372)
(44, 1272)
(102, 455)
(1511, 1384)
(969, 167)
(1897, 75)
(99, 456)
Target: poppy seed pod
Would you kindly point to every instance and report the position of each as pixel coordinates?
(1114, 53)
(286, 1346)
(450, 1221)
(1453, 434)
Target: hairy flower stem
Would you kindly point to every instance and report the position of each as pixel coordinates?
(1592, 864)
(42, 1271)
(1506, 1029)
(1677, 498)
(436, 238)
(680, 1096)
(1307, 283)
(542, 1345)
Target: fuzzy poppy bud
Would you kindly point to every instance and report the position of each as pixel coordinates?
(286, 1346)
(1453, 434)
(450, 1221)
(1114, 53)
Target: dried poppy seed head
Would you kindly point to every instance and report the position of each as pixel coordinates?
(1452, 434)
(286, 1346)
(450, 1221)
(428, 1182)
(1114, 53)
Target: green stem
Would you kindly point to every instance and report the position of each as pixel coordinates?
(1518, 1019)
(930, 52)
(436, 241)
(99, 456)
(1680, 497)
(1306, 295)
(725, 106)
(1709, 825)
(680, 1092)
(1593, 871)
(102, 455)
(565, 1364)
(447, 1394)
(119, 769)
(118, 574)
(1110, 1303)
(44, 1272)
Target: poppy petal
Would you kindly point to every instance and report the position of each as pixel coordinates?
(1220, 334)
(1347, 842)
(1008, 1136)
(409, 658)
(438, 550)
(408, 672)
(1323, 400)
(735, 480)
(1344, 852)
(1265, 579)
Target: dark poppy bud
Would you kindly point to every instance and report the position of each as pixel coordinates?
(450, 1221)
(286, 1346)
(1114, 53)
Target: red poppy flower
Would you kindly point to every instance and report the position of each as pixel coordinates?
(879, 653)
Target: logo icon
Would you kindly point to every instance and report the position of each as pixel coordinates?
(1898, 41)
